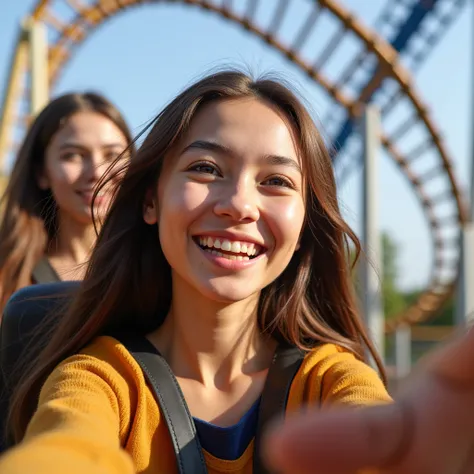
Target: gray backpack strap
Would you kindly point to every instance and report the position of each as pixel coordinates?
(165, 388)
(286, 363)
(44, 272)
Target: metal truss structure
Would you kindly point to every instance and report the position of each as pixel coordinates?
(404, 34)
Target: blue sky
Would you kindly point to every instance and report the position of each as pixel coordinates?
(142, 58)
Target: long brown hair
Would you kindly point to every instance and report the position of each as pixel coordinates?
(127, 283)
(28, 222)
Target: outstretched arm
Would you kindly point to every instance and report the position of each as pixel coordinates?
(429, 429)
(76, 428)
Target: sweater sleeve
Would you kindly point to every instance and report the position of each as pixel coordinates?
(77, 426)
(348, 381)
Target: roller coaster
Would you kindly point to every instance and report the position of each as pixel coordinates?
(380, 72)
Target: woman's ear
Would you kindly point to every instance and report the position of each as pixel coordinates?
(150, 209)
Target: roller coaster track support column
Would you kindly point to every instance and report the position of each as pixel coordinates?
(465, 293)
(38, 56)
(371, 265)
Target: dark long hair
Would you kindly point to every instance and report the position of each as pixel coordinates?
(28, 221)
(127, 282)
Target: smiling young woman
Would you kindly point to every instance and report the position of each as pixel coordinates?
(46, 230)
(223, 240)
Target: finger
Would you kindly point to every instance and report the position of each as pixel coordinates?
(340, 442)
(453, 363)
(468, 467)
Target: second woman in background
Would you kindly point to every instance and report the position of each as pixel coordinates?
(46, 230)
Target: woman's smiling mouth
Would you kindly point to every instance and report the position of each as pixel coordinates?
(230, 254)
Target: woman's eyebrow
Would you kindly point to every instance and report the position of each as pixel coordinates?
(225, 150)
(210, 146)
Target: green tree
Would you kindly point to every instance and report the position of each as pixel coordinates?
(396, 301)
(393, 300)
(444, 317)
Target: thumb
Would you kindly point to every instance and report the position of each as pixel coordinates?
(340, 442)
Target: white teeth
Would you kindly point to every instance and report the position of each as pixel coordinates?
(227, 256)
(226, 246)
(243, 248)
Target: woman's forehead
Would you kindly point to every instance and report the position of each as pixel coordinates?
(245, 125)
(89, 128)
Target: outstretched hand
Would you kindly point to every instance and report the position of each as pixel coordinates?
(428, 430)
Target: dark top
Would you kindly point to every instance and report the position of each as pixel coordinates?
(228, 443)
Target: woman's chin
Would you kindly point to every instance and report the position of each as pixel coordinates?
(84, 217)
(229, 294)
(99, 214)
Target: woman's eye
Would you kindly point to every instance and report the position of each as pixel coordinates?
(206, 168)
(279, 181)
(72, 155)
(112, 156)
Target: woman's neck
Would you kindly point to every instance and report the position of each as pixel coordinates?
(71, 247)
(212, 342)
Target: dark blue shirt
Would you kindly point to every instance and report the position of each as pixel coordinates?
(228, 443)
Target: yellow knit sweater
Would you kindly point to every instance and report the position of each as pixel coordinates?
(96, 415)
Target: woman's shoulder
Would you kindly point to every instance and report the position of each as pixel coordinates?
(331, 373)
(108, 352)
(93, 392)
(326, 355)
(105, 345)
(102, 374)
(104, 359)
